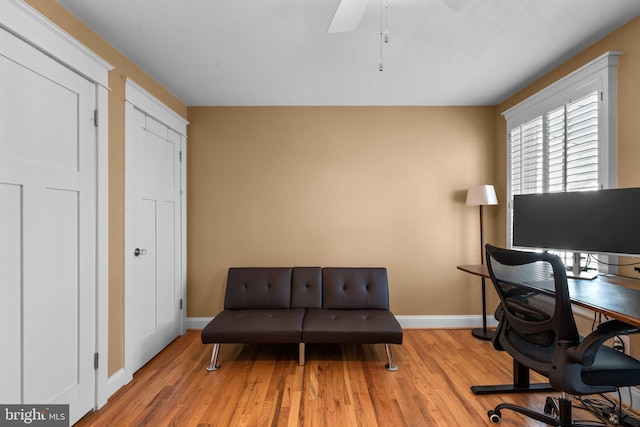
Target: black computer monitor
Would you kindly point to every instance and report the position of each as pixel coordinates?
(602, 222)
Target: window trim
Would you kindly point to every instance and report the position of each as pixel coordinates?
(601, 72)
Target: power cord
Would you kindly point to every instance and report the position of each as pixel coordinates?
(603, 407)
(608, 410)
(591, 257)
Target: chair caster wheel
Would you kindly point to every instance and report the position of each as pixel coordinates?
(495, 416)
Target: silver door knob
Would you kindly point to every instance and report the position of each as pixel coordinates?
(138, 252)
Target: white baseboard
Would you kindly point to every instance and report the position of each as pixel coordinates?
(407, 322)
(443, 321)
(197, 322)
(116, 381)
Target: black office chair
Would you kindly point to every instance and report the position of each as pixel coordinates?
(536, 327)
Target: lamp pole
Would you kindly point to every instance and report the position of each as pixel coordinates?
(483, 333)
(480, 196)
(481, 237)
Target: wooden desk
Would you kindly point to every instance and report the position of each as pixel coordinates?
(616, 297)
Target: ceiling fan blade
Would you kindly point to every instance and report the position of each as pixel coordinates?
(348, 15)
(456, 5)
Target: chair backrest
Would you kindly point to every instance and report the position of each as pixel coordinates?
(535, 310)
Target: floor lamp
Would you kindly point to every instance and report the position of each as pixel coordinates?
(482, 195)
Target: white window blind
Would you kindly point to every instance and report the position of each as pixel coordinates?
(563, 138)
(527, 166)
(557, 151)
(582, 144)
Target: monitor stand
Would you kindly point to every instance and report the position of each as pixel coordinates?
(584, 275)
(577, 273)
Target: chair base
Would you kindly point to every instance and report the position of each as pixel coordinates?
(557, 412)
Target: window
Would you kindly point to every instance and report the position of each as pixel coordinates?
(557, 151)
(563, 137)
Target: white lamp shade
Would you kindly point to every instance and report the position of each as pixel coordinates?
(481, 195)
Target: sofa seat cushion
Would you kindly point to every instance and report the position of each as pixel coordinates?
(351, 326)
(255, 326)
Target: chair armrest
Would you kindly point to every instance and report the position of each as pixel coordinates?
(585, 352)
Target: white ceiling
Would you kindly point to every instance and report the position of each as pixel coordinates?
(278, 52)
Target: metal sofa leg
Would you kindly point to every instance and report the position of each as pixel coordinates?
(213, 365)
(391, 365)
(301, 358)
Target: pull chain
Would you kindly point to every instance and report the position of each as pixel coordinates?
(384, 30)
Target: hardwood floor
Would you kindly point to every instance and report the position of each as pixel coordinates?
(340, 385)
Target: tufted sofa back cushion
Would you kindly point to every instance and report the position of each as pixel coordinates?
(355, 289)
(306, 287)
(258, 288)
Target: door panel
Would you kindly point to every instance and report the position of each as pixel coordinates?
(51, 293)
(50, 103)
(47, 197)
(166, 245)
(10, 277)
(39, 98)
(145, 271)
(157, 175)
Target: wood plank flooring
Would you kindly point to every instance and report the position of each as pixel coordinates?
(340, 385)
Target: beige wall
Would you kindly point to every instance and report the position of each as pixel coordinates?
(123, 69)
(339, 186)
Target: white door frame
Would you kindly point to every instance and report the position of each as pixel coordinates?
(138, 98)
(29, 25)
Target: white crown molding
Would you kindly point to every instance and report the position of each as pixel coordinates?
(20, 19)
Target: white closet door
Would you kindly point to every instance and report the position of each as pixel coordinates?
(154, 306)
(48, 229)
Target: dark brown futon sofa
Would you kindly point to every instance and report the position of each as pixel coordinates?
(305, 305)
